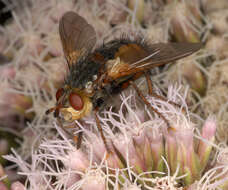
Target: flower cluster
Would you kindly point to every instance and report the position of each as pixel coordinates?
(144, 154)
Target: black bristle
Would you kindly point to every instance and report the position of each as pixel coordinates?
(85, 68)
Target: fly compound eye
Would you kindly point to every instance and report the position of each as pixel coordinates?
(59, 93)
(76, 101)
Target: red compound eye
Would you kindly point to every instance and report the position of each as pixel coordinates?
(76, 101)
(59, 93)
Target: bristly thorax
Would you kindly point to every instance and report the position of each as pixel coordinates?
(82, 72)
(86, 67)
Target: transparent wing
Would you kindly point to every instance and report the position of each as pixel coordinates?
(163, 53)
(77, 36)
(135, 58)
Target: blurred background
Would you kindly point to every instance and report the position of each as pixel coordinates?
(32, 64)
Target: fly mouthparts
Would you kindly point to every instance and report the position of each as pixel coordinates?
(55, 110)
(56, 113)
(50, 110)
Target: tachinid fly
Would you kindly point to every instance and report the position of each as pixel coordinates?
(94, 75)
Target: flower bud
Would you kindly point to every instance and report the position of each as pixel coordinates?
(3, 186)
(137, 6)
(219, 21)
(17, 186)
(94, 180)
(211, 5)
(7, 72)
(208, 133)
(218, 45)
(181, 22)
(12, 103)
(122, 146)
(194, 76)
(76, 160)
(155, 138)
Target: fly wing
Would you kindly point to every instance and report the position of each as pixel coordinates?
(163, 53)
(77, 36)
(136, 58)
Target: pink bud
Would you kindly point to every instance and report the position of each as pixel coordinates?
(2, 186)
(131, 187)
(7, 72)
(72, 179)
(60, 8)
(17, 186)
(97, 145)
(208, 133)
(171, 151)
(33, 43)
(94, 181)
(93, 185)
(155, 138)
(77, 160)
(186, 155)
(209, 129)
(143, 149)
(126, 145)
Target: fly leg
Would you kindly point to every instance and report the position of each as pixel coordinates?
(149, 82)
(64, 128)
(151, 93)
(101, 133)
(140, 94)
(77, 139)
